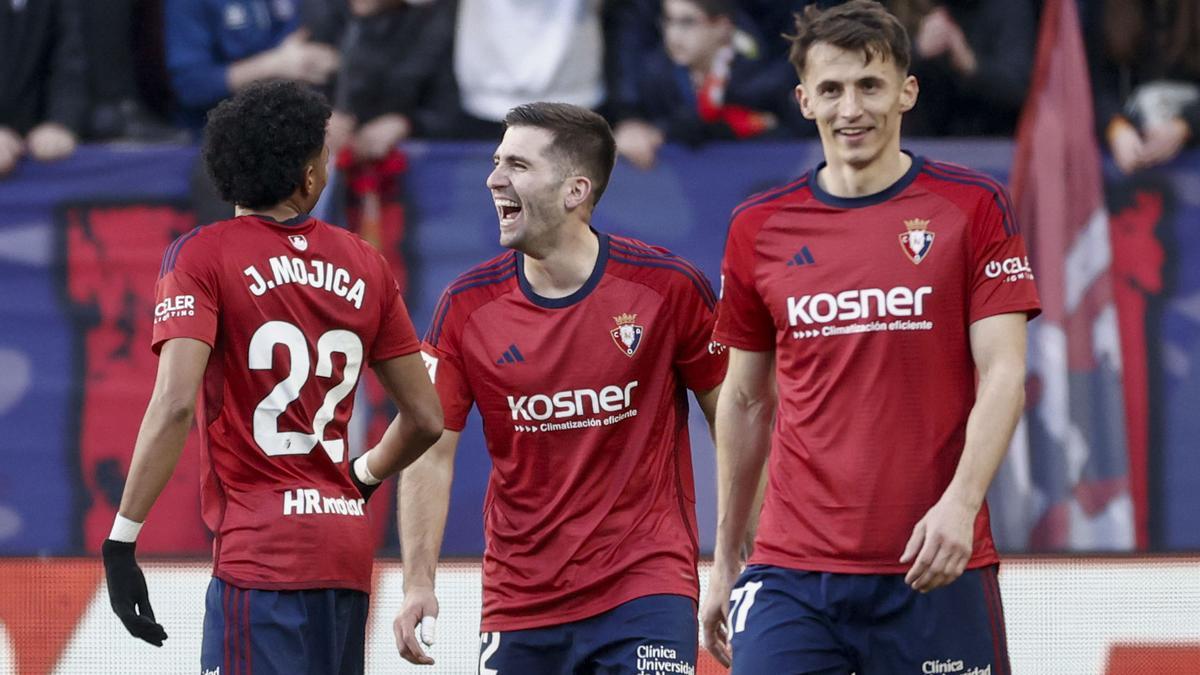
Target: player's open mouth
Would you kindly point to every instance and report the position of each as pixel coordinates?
(508, 209)
(853, 132)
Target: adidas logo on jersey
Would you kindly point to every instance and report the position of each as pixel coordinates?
(802, 257)
(510, 355)
(859, 303)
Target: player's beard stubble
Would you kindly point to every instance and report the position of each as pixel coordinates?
(538, 225)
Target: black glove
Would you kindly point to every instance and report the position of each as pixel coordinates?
(365, 490)
(127, 591)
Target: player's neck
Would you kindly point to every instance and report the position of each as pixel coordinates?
(565, 267)
(281, 212)
(841, 179)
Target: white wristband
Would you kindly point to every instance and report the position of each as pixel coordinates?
(363, 471)
(125, 529)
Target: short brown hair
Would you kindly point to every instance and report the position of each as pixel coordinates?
(581, 138)
(715, 8)
(857, 25)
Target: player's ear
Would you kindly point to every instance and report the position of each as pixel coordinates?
(310, 179)
(579, 191)
(908, 93)
(805, 102)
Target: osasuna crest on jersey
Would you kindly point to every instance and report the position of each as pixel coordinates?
(917, 241)
(627, 334)
(298, 241)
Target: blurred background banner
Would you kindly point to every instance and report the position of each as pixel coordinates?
(81, 243)
(1126, 616)
(1075, 476)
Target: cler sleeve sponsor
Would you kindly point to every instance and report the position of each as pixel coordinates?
(1002, 278)
(186, 296)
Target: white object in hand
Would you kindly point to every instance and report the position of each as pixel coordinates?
(428, 629)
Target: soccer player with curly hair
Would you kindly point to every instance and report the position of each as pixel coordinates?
(270, 316)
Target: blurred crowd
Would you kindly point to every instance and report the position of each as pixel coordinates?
(662, 71)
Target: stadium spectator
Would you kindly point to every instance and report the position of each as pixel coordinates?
(591, 541)
(1146, 80)
(217, 47)
(117, 106)
(973, 60)
(396, 78)
(707, 82)
(882, 443)
(43, 92)
(510, 52)
(283, 311)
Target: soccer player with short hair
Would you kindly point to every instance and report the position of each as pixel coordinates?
(888, 293)
(578, 347)
(272, 316)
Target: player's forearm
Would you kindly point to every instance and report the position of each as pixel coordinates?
(423, 507)
(160, 440)
(998, 405)
(707, 401)
(405, 439)
(743, 437)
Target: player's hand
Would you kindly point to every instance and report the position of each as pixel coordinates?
(296, 58)
(940, 545)
(363, 489)
(377, 137)
(127, 592)
(638, 142)
(1164, 141)
(338, 132)
(415, 626)
(11, 149)
(1128, 148)
(50, 141)
(934, 34)
(714, 613)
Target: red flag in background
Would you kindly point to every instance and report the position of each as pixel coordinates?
(1075, 477)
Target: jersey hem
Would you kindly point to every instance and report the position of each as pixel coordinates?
(1030, 310)
(157, 345)
(709, 383)
(395, 355)
(307, 585)
(499, 624)
(855, 567)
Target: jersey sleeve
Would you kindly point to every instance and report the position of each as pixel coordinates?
(396, 336)
(1002, 279)
(700, 364)
(443, 359)
(743, 320)
(187, 294)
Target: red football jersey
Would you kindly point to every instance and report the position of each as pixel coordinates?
(293, 311)
(590, 501)
(867, 304)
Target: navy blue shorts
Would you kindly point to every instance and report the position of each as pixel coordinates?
(790, 622)
(310, 632)
(652, 634)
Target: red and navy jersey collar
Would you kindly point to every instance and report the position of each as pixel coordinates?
(584, 290)
(866, 200)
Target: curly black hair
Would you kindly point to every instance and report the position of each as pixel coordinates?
(257, 143)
